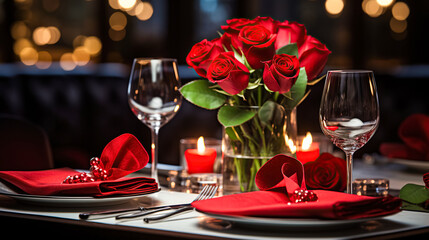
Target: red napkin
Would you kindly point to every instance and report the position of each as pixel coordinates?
(277, 181)
(414, 133)
(122, 156)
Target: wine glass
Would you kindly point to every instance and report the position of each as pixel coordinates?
(349, 111)
(154, 97)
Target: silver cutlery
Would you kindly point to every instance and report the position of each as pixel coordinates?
(207, 192)
(210, 194)
(139, 209)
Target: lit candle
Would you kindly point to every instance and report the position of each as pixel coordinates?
(200, 160)
(308, 151)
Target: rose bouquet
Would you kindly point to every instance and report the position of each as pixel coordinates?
(255, 73)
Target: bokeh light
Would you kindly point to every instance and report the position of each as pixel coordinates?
(126, 4)
(28, 56)
(400, 11)
(44, 60)
(372, 8)
(20, 30)
(146, 12)
(66, 62)
(334, 7)
(398, 26)
(81, 56)
(20, 44)
(93, 45)
(118, 21)
(384, 3)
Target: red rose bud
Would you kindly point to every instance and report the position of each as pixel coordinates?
(258, 45)
(426, 179)
(281, 72)
(327, 172)
(231, 75)
(290, 32)
(313, 55)
(201, 55)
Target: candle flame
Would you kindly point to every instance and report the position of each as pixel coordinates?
(307, 141)
(200, 145)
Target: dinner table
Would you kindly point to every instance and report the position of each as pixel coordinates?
(56, 217)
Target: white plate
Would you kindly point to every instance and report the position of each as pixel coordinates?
(415, 164)
(290, 223)
(66, 201)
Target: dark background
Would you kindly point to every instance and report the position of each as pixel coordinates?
(85, 107)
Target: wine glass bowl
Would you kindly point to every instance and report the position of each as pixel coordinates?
(349, 111)
(154, 96)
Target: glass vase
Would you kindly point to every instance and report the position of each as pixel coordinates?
(246, 147)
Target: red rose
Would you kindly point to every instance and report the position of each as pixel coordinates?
(201, 55)
(231, 75)
(290, 33)
(258, 45)
(313, 55)
(228, 41)
(235, 25)
(268, 23)
(327, 172)
(281, 72)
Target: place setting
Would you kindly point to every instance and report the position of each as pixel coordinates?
(261, 173)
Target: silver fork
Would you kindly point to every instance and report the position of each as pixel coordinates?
(209, 194)
(206, 191)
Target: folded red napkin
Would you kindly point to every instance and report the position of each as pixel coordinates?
(278, 180)
(122, 156)
(414, 133)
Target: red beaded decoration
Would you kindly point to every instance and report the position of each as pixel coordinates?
(426, 179)
(303, 195)
(97, 173)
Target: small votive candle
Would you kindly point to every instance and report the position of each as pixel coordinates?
(200, 160)
(308, 151)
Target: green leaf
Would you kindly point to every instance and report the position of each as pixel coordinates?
(290, 49)
(199, 93)
(230, 116)
(271, 112)
(414, 193)
(232, 134)
(413, 207)
(297, 92)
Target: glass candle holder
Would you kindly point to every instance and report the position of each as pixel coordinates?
(189, 152)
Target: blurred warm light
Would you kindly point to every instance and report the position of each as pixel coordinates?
(137, 9)
(400, 11)
(92, 45)
(28, 56)
(201, 147)
(146, 12)
(55, 34)
(398, 26)
(117, 35)
(290, 144)
(46, 35)
(126, 4)
(41, 36)
(307, 141)
(20, 44)
(50, 5)
(66, 62)
(372, 8)
(80, 56)
(44, 60)
(19, 30)
(334, 7)
(118, 21)
(384, 3)
(78, 41)
(114, 4)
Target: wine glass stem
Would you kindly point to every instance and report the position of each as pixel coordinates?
(349, 162)
(154, 153)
